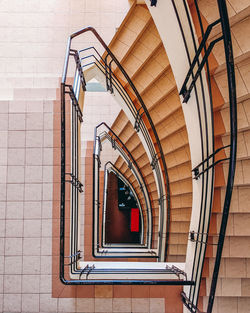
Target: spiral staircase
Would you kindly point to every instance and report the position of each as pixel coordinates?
(140, 52)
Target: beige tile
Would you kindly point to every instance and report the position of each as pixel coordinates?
(45, 284)
(16, 139)
(47, 105)
(33, 174)
(244, 72)
(14, 228)
(47, 303)
(239, 29)
(239, 247)
(34, 156)
(34, 121)
(47, 191)
(248, 267)
(2, 229)
(1, 286)
(47, 228)
(30, 283)
(244, 198)
(103, 304)
(17, 106)
(85, 305)
(31, 264)
(3, 121)
(157, 305)
(1, 302)
(46, 246)
(31, 246)
(66, 305)
(12, 306)
(48, 156)
(140, 305)
(48, 139)
(12, 265)
(15, 174)
(32, 210)
(2, 264)
(246, 106)
(3, 195)
(121, 305)
(227, 304)
(246, 171)
(235, 268)
(4, 107)
(241, 224)
(30, 302)
(13, 246)
(3, 139)
(231, 287)
(14, 210)
(16, 121)
(15, 192)
(47, 174)
(47, 209)
(48, 121)
(2, 246)
(243, 304)
(33, 192)
(34, 139)
(3, 210)
(3, 178)
(12, 284)
(3, 156)
(32, 228)
(46, 265)
(245, 287)
(239, 5)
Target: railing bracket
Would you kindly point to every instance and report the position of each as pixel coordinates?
(138, 120)
(196, 170)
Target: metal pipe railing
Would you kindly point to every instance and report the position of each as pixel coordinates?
(160, 163)
(208, 163)
(153, 155)
(125, 153)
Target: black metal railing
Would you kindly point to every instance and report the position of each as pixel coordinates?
(72, 115)
(118, 145)
(139, 114)
(149, 135)
(139, 125)
(195, 82)
(98, 250)
(109, 167)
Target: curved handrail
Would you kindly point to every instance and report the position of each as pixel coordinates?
(113, 168)
(191, 300)
(228, 47)
(143, 186)
(162, 158)
(129, 103)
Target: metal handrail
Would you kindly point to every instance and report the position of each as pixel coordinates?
(116, 171)
(190, 300)
(158, 144)
(141, 125)
(161, 160)
(126, 154)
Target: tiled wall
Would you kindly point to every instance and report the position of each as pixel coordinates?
(26, 204)
(36, 32)
(33, 33)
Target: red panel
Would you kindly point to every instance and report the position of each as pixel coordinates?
(134, 220)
